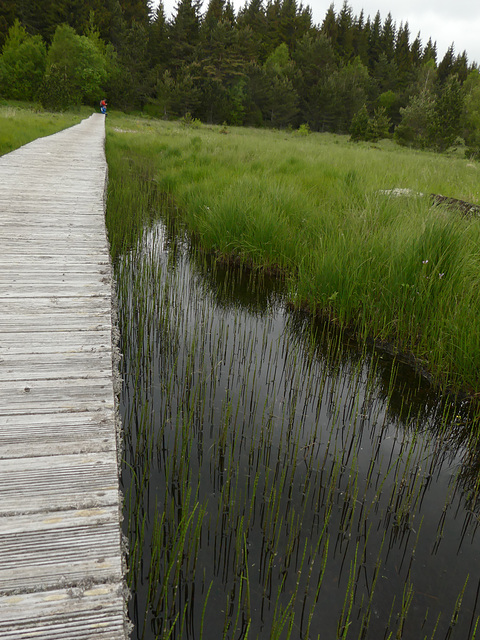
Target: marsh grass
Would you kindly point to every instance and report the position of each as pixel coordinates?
(279, 484)
(21, 123)
(390, 269)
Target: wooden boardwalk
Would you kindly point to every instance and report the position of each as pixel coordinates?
(61, 571)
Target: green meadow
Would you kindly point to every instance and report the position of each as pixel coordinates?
(319, 211)
(21, 123)
(314, 209)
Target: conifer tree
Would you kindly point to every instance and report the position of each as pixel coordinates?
(344, 39)
(430, 51)
(315, 60)
(416, 51)
(445, 125)
(329, 25)
(158, 43)
(136, 11)
(460, 67)
(445, 67)
(184, 34)
(375, 41)
(388, 37)
(360, 38)
(251, 24)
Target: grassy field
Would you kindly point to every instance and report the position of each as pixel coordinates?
(314, 209)
(21, 123)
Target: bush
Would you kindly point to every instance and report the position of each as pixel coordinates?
(303, 130)
(188, 121)
(371, 129)
(360, 125)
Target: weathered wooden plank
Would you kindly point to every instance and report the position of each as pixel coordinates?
(47, 396)
(55, 366)
(60, 548)
(64, 341)
(78, 613)
(58, 482)
(52, 322)
(49, 289)
(56, 434)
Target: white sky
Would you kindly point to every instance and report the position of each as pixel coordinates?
(445, 21)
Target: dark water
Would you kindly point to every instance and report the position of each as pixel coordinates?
(280, 481)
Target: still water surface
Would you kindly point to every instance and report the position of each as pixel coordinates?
(280, 481)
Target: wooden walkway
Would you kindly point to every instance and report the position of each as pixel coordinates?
(61, 572)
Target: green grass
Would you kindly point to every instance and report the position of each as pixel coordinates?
(392, 269)
(21, 123)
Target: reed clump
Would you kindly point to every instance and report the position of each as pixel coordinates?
(387, 265)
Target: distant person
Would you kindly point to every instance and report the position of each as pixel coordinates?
(103, 106)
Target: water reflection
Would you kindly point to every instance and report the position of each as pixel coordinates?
(280, 480)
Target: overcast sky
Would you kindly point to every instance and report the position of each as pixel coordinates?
(445, 21)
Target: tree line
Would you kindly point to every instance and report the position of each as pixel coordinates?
(266, 65)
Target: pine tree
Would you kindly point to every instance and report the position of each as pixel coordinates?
(445, 125)
(360, 38)
(445, 67)
(403, 57)
(416, 51)
(460, 67)
(158, 43)
(387, 38)
(375, 41)
(344, 40)
(213, 15)
(430, 52)
(295, 21)
(315, 60)
(184, 34)
(415, 127)
(272, 36)
(222, 73)
(252, 25)
(136, 11)
(329, 25)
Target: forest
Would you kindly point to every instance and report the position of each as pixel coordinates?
(268, 65)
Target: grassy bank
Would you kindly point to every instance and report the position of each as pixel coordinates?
(393, 268)
(21, 123)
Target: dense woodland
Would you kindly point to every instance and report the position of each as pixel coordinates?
(267, 65)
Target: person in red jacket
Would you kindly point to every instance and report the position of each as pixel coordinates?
(103, 106)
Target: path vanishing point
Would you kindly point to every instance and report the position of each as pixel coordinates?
(61, 571)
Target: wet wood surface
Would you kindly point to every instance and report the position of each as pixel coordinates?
(61, 564)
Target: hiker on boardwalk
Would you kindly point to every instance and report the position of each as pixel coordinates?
(103, 106)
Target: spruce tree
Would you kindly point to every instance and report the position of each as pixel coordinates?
(445, 67)
(375, 41)
(329, 25)
(184, 34)
(158, 42)
(388, 38)
(430, 52)
(344, 39)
